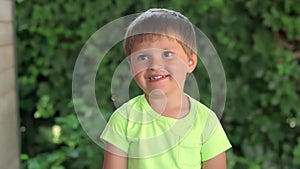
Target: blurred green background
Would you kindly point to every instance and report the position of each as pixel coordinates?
(257, 41)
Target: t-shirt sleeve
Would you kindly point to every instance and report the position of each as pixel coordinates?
(214, 138)
(115, 132)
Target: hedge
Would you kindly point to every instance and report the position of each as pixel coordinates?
(258, 43)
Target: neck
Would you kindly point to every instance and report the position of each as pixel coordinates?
(174, 105)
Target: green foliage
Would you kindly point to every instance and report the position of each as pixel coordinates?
(258, 43)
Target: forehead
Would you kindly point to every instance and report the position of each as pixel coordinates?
(154, 41)
(153, 37)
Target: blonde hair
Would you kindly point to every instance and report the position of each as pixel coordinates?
(161, 22)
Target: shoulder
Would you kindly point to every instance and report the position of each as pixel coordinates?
(133, 105)
(200, 109)
(120, 118)
(205, 117)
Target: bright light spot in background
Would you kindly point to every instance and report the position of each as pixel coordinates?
(56, 131)
(291, 122)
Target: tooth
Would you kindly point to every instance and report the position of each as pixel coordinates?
(157, 77)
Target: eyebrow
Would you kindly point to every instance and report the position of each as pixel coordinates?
(170, 48)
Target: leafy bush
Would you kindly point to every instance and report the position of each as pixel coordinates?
(258, 43)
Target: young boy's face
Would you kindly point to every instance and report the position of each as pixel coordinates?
(160, 63)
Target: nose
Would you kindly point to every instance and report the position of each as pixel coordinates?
(155, 63)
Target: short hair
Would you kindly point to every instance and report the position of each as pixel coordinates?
(161, 22)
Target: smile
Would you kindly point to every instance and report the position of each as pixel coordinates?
(158, 77)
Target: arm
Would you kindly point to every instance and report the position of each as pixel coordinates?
(218, 162)
(114, 158)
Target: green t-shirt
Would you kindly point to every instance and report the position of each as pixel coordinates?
(153, 141)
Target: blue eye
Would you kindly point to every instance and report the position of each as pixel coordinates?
(168, 54)
(142, 57)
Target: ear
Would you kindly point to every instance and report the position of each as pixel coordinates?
(192, 62)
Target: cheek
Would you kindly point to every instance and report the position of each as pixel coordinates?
(178, 66)
(178, 71)
(137, 69)
(139, 78)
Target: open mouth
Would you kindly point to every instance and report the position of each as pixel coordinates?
(152, 78)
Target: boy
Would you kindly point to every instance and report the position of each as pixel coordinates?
(164, 128)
